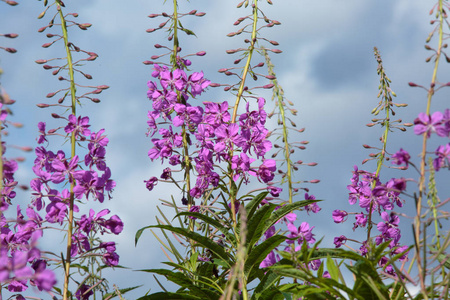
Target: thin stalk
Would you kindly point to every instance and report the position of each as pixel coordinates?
(251, 48)
(417, 221)
(277, 91)
(73, 144)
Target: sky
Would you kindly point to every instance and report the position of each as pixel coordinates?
(327, 70)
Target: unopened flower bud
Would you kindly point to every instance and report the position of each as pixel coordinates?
(84, 26)
(95, 100)
(42, 29)
(56, 72)
(47, 67)
(50, 95)
(259, 65)
(412, 84)
(312, 164)
(231, 51)
(214, 84)
(147, 62)
(270, 77)
(150, 30)
(103, 87)
(226, 89)
(268, 86)
(56, 116)
(20, 159)
(157, 46)
(153, 15)
(12, 3)
(192, 12)
(201, 53)
(88, 76)
(222, 70)
(200, 14)
(11, 35)
(10, 50)
(51, 131)
(46, 45)
(276, 50)
(97, 91)
(42, 105)
(275, 43)
(314, 181)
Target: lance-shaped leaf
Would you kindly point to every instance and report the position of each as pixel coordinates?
(203, 241)
(260, 252)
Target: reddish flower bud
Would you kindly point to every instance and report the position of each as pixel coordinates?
(276, 50)
(275, 43)
(192, 12)
(10, 50)
(200, 14)
(42, 29)
(88, 76)
(232, 51)
(314, 181)
(157, 46)
(11, 35)
(201, 53)
(95, 100)
(214, 85)
(150, 30)
(49, 95)
(12, 3)
(259, 65)
(153, 15)
(47, 67)
(147, 62)
(268, 86)
(42, 105)
(412, 84)
(56, 116)
(270, 77)
(97, 91)
(222, 70)
(312, 164)
(103, 87)
(84, 26)
(56, 72)
(46, 45)
(51, 131)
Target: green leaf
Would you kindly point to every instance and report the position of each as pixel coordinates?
(203, 241)
(166, 296)
(183, 281)
(332, 268)
(260, 252)
(284, 210)
(252, 206)
(216, 224)
(266, 283)
(256, 224)
(122, 291)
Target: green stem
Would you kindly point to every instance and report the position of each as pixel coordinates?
(73, 144)
(417, 221)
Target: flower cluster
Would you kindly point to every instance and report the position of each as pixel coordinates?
(20, 259)
(217, 138)
(93, 181)
(372, 197)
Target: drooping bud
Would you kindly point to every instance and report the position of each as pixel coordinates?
(11, 35)
(201, 53)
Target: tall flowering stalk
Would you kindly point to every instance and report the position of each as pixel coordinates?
(21, 260)
(84, 249)
(437, 124)
(228, 150)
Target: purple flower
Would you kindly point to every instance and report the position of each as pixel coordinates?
(270, 259)
(339, 241)
(194, 208)
(443, 157)
(401, 157)
(78, 126)
(302, 233)
(41, 127)
(339, 216)
(266, 170)
(216, 114)
(311, 207)
(426, 124)
(274, 191)
(150, 184)
(361, 221)
(84, 292)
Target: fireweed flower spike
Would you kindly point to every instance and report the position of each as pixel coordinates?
(65, 180)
